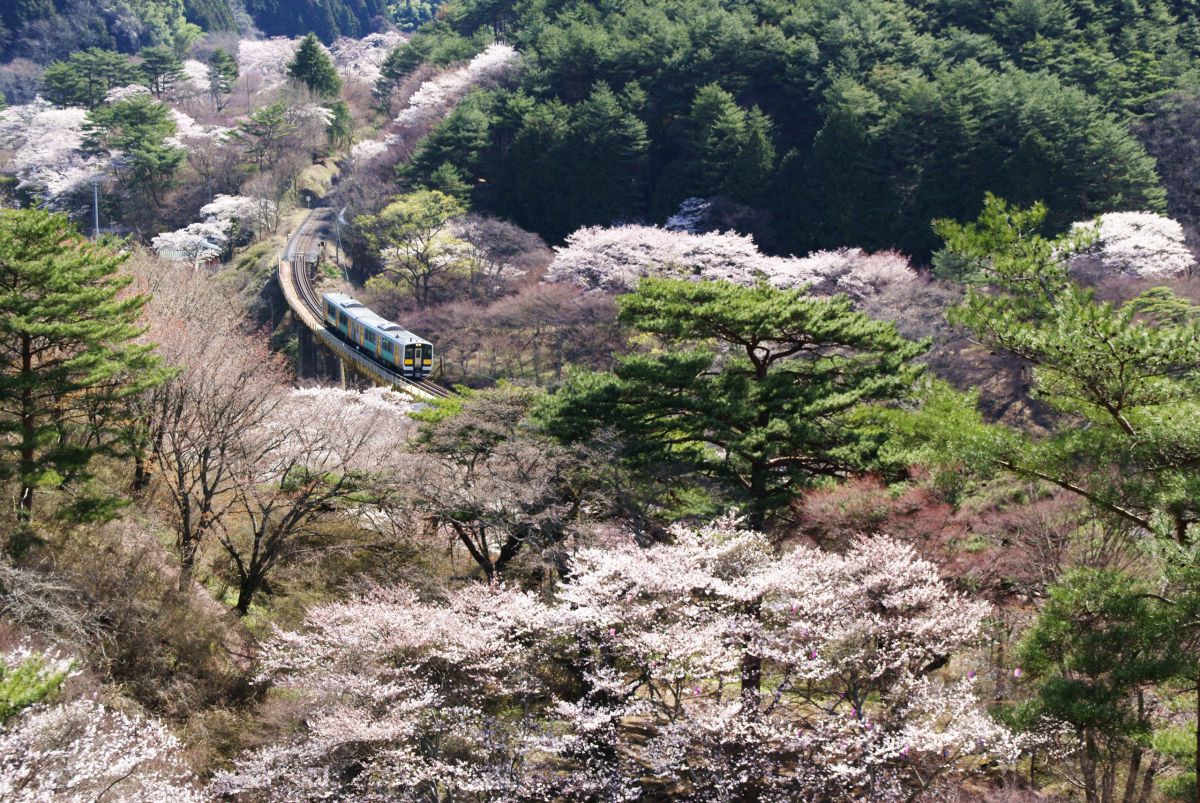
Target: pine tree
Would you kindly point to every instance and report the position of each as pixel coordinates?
(222, 75)
(750, 178)
(266, 133)
(756, 388)
(67, 333)
(161, 69)
(314, 69)
(341, 127)
(138, 129)
(1123, 381)
(85, 78)
(607, 154)
(716, 131)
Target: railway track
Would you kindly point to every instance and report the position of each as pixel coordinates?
(302, 252)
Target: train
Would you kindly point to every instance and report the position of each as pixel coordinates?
(389, 343)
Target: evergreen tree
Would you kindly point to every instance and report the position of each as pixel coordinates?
(86, 77)
(1124, 385)
(754, 387)
(607, 153)
(138, 129)
(397, 66)
(222, 77)
(1099, 645)
(161, 69)
(266, 133)
(313, 68)
(716, 132)
(341, 127)
(535, 170)
(749, 180)
(31, 681)
(446, 179)
(67, 330)
(461, 139)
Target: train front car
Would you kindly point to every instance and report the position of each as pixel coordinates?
(388, 342)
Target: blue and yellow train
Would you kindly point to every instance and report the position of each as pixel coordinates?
(389, 343)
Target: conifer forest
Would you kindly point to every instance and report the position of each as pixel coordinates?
(524, 401)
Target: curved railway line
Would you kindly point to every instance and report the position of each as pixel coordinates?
(295, 277)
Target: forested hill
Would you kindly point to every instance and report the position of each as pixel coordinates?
(835, 121)
(44, 30)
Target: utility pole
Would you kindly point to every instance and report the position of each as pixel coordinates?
(337, 224)
(95, 209)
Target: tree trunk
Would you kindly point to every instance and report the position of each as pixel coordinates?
(28, 434)
(508, 551)
(1087, 767)
(187, 561)
(141, 476)
(758, 495)
(1135, 766)
(1148, 781)
(247, 588)
(751, 670)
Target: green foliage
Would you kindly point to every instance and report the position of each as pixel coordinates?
(212, 16)
(161, 68)
(47, 29)
(591, 158)
(1162, 306)
(264, 133)
(1096, 641)
(409, 15)
(27, 682)
(411, 236)
(448, 180)
(313, 68)
(1099, 644)
(137, 128)
(888, 113)
(730, 151)
(1124, 384)
(87, 76)
(340, 130)
(758, 388)
(68, 332)
(222, 77)
(326, 19)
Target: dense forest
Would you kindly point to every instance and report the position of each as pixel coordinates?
(813, 409)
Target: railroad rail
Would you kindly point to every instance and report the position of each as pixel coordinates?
(295, 278)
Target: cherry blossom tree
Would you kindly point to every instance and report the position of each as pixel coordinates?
(83, 750)
(294, 472)
(633, 681)
(681, 635)
(196, 74)
(266, 60)
(412, 699)
(614, 259)
(1140, 244)
(438, 95)
(121, 93)
(43, 151)
(248, 213)
(361, 58)
(195, 242)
